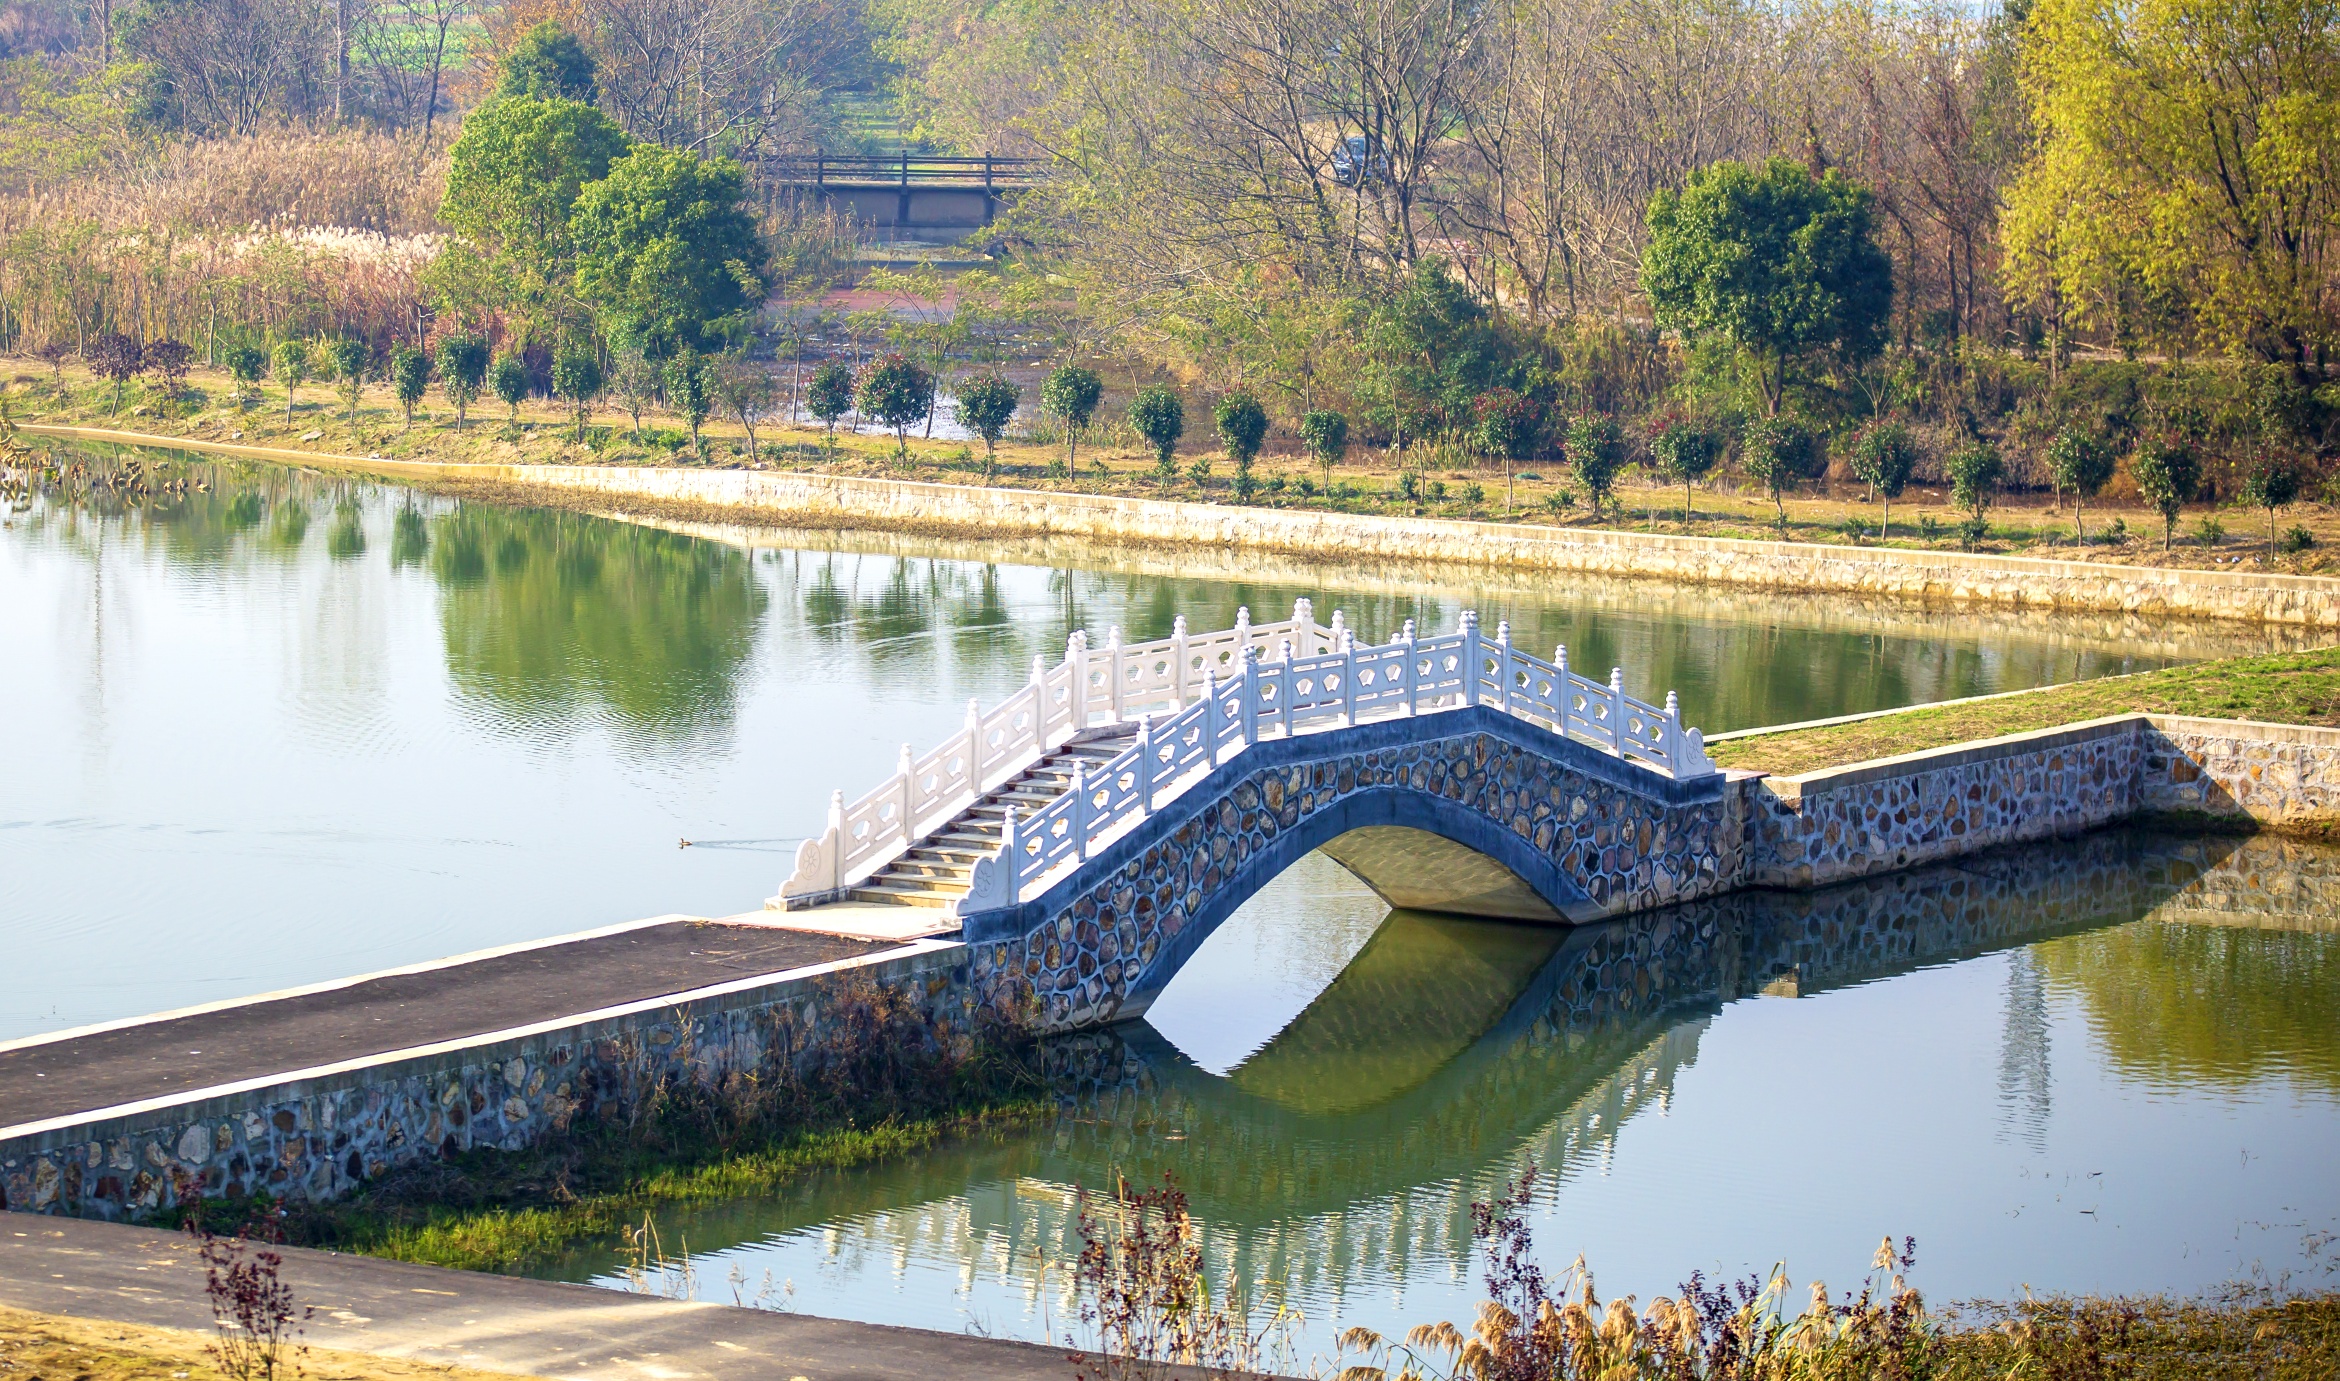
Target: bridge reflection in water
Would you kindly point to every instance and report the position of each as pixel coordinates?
(1447, 1055)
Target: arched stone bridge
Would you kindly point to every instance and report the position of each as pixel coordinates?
(1089, 833)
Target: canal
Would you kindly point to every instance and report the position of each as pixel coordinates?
(283, 728)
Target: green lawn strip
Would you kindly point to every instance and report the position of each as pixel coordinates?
(2289, 688)
(518, 1209)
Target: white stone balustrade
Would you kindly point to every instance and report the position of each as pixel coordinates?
(1201, 699)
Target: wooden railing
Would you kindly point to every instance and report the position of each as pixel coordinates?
(906, 170)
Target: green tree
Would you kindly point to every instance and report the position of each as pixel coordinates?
(1243, 425)
(410, 373)
(830, 395)
(2271, 484)
(1596, 452)
(509, 377)
(666, 250)
(1777, 454)
(463, 362)
(1783, 265)
(987, 403)
(1975, 472)
(350, 358)
(245, 364)
(1071, 394)
(576, 376)
(513, 180)
(548, 63)
(897, 392)
(291, 360)
(1326, 435)
(1686, 452)
(2081, 462)
(688, 392)
(2184, 153)
(1157, 415)
(637, 382)
(747, 391)
(1506, 423)
(1883, 457)
(2167, 473)
(1430, 348)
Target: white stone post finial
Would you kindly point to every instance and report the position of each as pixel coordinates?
(1340, 625)
(1503, 670)
(836, 839)
(1406, 635)
(1145, 764)
(1115, 671)
(1617, 709)
(1210, 716)
(975, 743)
(1472, 662)
(1039, 668)
(1080, 813)
(1249, 695)
(1178, 661)
(903, 767)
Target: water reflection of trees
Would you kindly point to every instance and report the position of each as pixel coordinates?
(554, 617)
(1451, 1054)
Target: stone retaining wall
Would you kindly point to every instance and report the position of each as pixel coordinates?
(317, 1134)
(837, 501)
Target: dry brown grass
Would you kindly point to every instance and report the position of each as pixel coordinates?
(35, 1346)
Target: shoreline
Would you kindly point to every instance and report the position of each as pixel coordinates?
(816, 502)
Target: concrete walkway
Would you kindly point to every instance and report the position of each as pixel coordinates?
(495, 1323)
(468, 995)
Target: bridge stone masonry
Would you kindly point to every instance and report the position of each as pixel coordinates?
(1084, 837)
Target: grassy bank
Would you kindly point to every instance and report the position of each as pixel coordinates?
(2289, 688)
(1541, 493)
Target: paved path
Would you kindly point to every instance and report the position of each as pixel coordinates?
(495, 1323)
(471, 995)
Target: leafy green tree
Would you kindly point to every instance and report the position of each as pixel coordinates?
(689, 393)
(2081, 462)
(349, 358)
(1071, 394)
(747, 391)
(410, 373)
(509, 377)
(987, 403)
(1975, 472)
(637, 382)
(245, 364)
(1157, 415)
(1243, 425)
(830, 395)
(513, 180)
(1777, 454)
(1783, 265)
(1326, 435)
(291, 359)
(548, 63)
(1506, 424)
(667, 251)
(463, 363)
(1884, 455)
(1596, 452)
(576, 376)
(1431, 348)
(2168, 473)
(2271, 484)
(1686, 452)
(897, 391)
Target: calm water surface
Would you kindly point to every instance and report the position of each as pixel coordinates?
(289, 729)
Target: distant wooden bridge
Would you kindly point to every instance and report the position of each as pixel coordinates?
(911, 191)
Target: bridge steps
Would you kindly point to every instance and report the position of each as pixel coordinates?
(935, 872)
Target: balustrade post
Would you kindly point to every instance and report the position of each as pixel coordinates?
(1503, 660)
(975, 745)
(1076, 660)
(1563, 688)
(836, 839)
(1011, 858)
(1617, 710)
(1242, 631)
(1210, 718)
(1470, 657)
(1249, 696)
(1340, 626)
(1080, 813)
(1413, 670)
(1348, 674)
(1145, 772)
(1673, 733)
(1178, 661)
(1284, 694)
(1114, 664)
(909, 788)
(1303, 625)
(1039, 701)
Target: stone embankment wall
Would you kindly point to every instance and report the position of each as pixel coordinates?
(319, 1134)
(816, 501)
(1875, 817)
